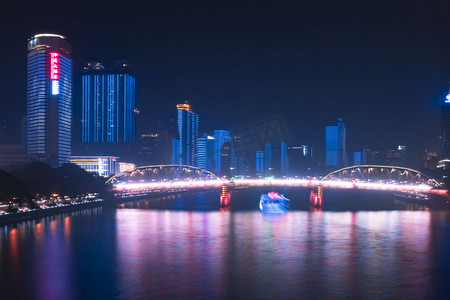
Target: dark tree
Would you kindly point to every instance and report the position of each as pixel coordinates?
(39, 178)
(12, 189)
(75, 181)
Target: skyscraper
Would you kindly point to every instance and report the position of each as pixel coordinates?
(205, 152)
(49, 98)
(148, 149)
(335, 145)
(268, 159)
(445, 127)
(259, 162)
(167, 134)
(188, 133)
(108, 104)
(220, 138)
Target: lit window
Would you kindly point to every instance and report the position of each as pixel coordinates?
(55, 87)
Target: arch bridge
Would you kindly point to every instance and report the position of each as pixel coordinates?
(146, 179)
(370, 177)
(385, 175)
(167, 178)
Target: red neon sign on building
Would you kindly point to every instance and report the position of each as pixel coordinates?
(54, 65)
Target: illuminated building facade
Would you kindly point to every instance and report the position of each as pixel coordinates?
(125, 167)
(357, 158)
(188, 134)
(102, 165)
(205, 152)
(274, 160)
(220, 138)
(335, 145)
(445, 127)
(108, 107)
(259, 162)
(49, 98)
(175, 151)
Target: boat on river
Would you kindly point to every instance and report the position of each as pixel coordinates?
(273, 203)
(412, 197)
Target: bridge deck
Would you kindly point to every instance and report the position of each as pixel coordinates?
(379, 186)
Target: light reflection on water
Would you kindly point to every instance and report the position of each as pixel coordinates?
(133, 253)
(246, 254)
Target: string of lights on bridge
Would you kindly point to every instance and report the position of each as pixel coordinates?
(175, 177)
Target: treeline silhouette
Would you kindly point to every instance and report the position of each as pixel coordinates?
(22, 184)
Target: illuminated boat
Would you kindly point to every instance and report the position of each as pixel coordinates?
(411, 196)
(273, 203)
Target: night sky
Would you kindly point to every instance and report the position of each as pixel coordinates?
(383, 66)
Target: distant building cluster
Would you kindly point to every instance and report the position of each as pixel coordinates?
(112, 143)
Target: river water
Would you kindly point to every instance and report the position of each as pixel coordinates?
(360, 246)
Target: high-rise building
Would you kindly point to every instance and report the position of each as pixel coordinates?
(276, 161)
(357, 158)
(300, 160)
(225, 159)
(259, 162)
(243, 148)
(175, 151)
(49, 99)
(335, 149)
(445, 127)
(220, 138)
(167, 133)
(148, 149)
(205, 152)
(268, 160)
(188, 133)
(284, 159)
(108, 107)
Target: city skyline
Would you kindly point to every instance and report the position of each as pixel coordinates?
(386, 98)
(225, 149)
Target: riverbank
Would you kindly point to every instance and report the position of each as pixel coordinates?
(53, 210)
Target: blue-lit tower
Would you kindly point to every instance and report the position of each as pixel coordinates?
(108, 108)
(205, 152)
(175, 151)
(259, 162)
(220, 138)
(49, 98)
(188, 133)
(335, 145)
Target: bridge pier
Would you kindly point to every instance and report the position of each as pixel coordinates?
(316, 197)
(225, 196)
